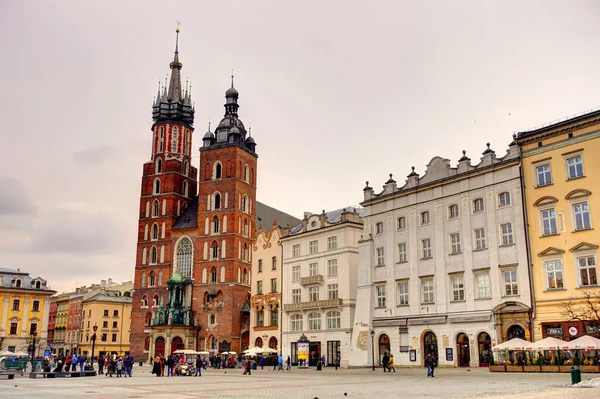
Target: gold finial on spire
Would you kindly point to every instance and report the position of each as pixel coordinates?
(177, 30)
(232, 75)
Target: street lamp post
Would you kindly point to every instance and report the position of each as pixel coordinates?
(372, 348)
(94, 343)
(33, 336)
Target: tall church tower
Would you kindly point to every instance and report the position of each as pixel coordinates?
(226, 231)
(169, 184)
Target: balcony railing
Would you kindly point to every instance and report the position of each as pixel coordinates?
(318, 279)
(326, 303)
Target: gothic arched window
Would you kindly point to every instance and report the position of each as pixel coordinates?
(157, 186)
(155, 231)
(218, 170)
(184, 257)
(186, 168)
(155, 208)
(161, 137)
(185, 188)
(217, 201)
(216, 224)
(246, 173)
(153, 256)
(213, 275)
(215, 250)
(158, 165)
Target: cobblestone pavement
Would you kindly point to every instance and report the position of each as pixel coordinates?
(306, 384)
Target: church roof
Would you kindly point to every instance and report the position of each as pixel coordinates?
(265, 215)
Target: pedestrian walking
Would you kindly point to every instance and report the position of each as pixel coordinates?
(429, 363)
(198, 367)
(391, 363)
(262, 362)
(288, 363)
(385, 362)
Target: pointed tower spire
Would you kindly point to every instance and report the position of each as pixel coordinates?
(174, 93)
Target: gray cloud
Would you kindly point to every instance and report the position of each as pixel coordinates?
(14, 200)
(95, 155)
(75, 231)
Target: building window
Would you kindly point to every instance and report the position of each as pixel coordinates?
(554, 274)
(260, 318)
(215, 225)
(380, 291)
(213, 275)
(215, 251)
(184, 257)
(295, 273)
(155, 208)
(18, 283)
(36, 306)
(380, 257)
(426, 248)
(313, 294)
(379, 228)
(478, 205)
(332, 291)
(105, 313)
(274, 316)
(331, 243)
(313, 247)
(453, 211)
(157, 186)
(506, 232)
(313, 269)
(504, 199)
(218, 170)
(455, 243)
(115, 313)
(33, 329)
(296, 320)
(296, 295)
(115, 324)
(549, 226)
(458, 288)
(273, 285)
(401, 223)
(425, 218)
(103, 337)
(155, 232)
(260, 265)
(402, 257)
(402, 288)
(213, 320)
(479, 238)
(152, 281)
(274, 263)
(13, 328)
(296, 250)
(543, 175)
(16, 305)
(511, 286)
(575, 167)
(314, 321)
(105, 324)
(587, 271)
(332, 267)
(427, 291)
(581, 213)
(482, 282)
(259, 288)
(333, 320)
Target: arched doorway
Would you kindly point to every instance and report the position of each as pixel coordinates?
(159, 347)
(258, 342)
(484, 343)
(430, 345)
(245, 343)
(384, 346)
(462, 350)
(515, 331)
(273, 343)
(176, 344)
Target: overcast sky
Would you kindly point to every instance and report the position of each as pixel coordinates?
(336, 92)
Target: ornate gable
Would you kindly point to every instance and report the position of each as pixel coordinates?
(583, 246)
(438, 168)
(551, 251)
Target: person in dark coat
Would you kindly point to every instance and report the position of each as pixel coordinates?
(385, 361)
(100, 364)
(430, 364)
(199, 366)
(156, 367)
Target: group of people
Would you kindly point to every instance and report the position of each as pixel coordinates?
(176, 365)
(388, 362)
(118, 366)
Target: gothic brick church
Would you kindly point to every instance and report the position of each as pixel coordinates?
(196, 229)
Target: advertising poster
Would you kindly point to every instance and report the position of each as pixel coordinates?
(302, 354)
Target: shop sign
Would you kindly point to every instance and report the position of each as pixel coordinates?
(389, 323)
(449, 357)
(303, 348)
(430, 320)
(592, 329)
(413, 355)
(554, 331)
(472, 319)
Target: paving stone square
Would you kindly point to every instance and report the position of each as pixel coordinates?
(305, 384)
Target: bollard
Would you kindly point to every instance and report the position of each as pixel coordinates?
(575, 375)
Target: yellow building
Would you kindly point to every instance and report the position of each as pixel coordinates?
(110, 311)
(60, 323)
(24, 310)
(561, 172)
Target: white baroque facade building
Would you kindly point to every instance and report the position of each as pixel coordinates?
(320, 265)
(443, 265)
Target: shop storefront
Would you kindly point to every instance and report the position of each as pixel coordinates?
(569, 330)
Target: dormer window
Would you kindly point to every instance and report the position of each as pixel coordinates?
(38, 285)
(18, 283)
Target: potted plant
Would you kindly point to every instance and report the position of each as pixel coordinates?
(495, 367)
(531, 366)
(513, 367)
(588, 365)
(552, 367)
